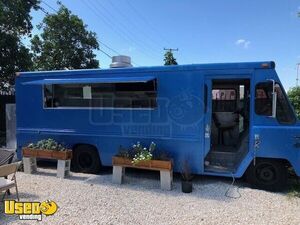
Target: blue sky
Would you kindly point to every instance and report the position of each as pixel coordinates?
(205, 31)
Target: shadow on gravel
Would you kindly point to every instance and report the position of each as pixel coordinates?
(5, 219)
(22, 195)
(52, 164)
(294, 186)
(208, 187)
(213, 188)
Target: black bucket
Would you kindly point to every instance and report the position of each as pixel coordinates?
(186, 186)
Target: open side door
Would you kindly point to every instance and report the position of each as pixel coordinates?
(207, 115)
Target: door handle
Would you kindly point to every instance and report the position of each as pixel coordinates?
(256, 146)
(256, 141)
(207, 131)
(297, 141)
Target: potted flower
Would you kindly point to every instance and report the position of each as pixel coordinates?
(186, 178)
(47, 149)
(142, 154)
(141, 157)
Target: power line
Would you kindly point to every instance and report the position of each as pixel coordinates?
(105, 53)
(109, 25)
(43, 10)
(49, 6)
(133, 24)
(105, 45)
(134, 9)
(109, 56)
(107, 21)
(111, 49)
(124, 27)
(102, 43)
(47, 13)
(40, 8)
(158, 33)
(171, 49)
(98, 40)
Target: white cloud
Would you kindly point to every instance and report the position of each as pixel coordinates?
(243, 43)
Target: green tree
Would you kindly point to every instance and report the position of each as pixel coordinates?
(64, 43)
(15, 24)
(169, 59)
(294, 96)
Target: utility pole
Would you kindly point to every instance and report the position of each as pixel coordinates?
(297, 79)
(169, 57)
(171, 49)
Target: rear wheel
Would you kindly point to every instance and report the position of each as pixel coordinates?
(86, 159)
(267, 174)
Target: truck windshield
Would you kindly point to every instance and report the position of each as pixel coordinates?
(263, 103)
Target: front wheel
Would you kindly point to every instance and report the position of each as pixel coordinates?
(86, 159)
(267, 174)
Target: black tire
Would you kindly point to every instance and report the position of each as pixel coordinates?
(85, 159)
(267, 174)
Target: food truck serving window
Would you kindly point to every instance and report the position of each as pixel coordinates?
(104, 95)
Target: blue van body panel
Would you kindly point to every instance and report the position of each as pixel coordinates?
(178, 88)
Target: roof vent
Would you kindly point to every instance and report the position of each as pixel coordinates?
(120, 61)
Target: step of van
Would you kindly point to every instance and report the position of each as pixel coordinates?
(223, 158)
(224, 161)
(219, 169)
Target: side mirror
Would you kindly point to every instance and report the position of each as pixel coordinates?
(274, 98)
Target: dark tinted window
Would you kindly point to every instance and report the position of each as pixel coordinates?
(263, 99)
(284, 112)
(107, 95)
(263, 103)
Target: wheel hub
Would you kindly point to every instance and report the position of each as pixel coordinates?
(266, 173)
(85, 160)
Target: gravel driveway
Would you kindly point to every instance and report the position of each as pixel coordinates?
(93, 199)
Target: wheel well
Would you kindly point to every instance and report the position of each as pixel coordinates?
(80, 144)
(92, 147)
(283, 161)
(268, 174)
(86, 158)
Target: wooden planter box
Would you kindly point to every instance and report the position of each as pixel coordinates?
(148, 164)
(47, 154)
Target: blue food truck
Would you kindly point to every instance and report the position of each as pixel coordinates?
(226, 119)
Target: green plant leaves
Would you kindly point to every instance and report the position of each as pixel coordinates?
(48, 144)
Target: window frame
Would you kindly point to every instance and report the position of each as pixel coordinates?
(286, 99)
(98, 107)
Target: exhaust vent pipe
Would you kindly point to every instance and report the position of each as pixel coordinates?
(120, 61)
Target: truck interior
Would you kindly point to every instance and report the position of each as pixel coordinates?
(229, 125)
